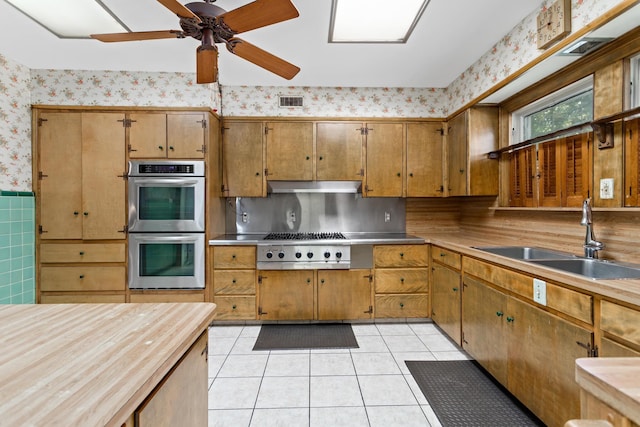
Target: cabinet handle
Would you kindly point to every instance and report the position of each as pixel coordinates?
(461, 170)
(510, 319)
(499, 313)
(171, 147)
(160, 147)
(442, 254)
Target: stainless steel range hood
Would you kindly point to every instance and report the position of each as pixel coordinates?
(279, 187)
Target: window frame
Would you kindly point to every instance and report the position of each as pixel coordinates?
(634, 80)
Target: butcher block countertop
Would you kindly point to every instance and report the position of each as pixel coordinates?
(614, 381)
(89, 364)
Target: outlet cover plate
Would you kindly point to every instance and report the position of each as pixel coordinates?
(540, 291)
(606, 188)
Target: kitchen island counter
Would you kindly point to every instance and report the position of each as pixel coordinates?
(90, 364)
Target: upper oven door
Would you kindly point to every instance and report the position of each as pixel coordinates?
(166, 205)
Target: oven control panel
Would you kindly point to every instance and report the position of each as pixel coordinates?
(311, 256)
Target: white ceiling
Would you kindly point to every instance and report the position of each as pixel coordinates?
(451, 36)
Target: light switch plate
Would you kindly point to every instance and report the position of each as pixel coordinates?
(606, 188)
(540, 291)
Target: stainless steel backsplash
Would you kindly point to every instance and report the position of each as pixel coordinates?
(310, 212)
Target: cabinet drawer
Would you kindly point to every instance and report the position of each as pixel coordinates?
(400, 255)
(620, 321)
(447, 257)
(235, 307)
(234, 282)
(610, 348)
(398, 306)
(82, 252)
(81, 299)
(82, 278)
(173, 296)
(234, 257)
(401, 280)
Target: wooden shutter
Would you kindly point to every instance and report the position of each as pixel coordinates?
(576, 177)
(550, 169)
(631, 162)
(522, 175)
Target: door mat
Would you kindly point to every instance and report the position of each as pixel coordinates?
(305, 336)
(462, 394)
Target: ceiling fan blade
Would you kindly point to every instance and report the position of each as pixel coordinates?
(179, 9)
(258, 14)
(263, 59)
(206, 64)
(134, 36)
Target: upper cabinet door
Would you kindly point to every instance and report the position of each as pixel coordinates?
(289, 151)
(242, 159)
(186, 135)
(457, 155)
(339, 151)
(60, 175)
(384, 172)
(424, 160)
(148, 135)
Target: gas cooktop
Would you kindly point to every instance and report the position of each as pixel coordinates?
(305, 236)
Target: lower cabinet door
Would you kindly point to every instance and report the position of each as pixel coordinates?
(181, 398)
(286, 295)
(344, 294)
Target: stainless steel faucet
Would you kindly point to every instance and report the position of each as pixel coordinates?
(591, 245)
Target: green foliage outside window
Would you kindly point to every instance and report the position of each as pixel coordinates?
(570, 112)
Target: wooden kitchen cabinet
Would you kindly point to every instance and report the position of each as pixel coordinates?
(234, 282)
(339, 147)
(401, 281)
(344, 294)
(632, 163)
(470, 136)
(620, 328)
(175, 135)
(286, 294)
(424, 160)
(243, 159)
(289, 148)
(384, 174)
(81, 162)
(446, 298)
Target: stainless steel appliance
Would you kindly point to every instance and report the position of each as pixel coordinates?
(166, 224)
(292, 251)
(166, 196)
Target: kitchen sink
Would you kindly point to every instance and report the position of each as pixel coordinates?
(526, 252)
(591, 268)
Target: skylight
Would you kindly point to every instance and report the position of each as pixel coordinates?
(374, 21)
(71, 18)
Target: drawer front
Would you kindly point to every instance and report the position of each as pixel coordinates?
(234, 282)
(82, 252)
(174, 296)
(610, 348)
(81, 278)
(401, 280)
(400, 306)
(447, 257)
(570, 302)
(231, 257)
(235, 308)
(620, 321)
(401, 256)
(81, 299)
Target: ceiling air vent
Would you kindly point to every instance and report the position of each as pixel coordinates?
(291, 101)
(584, 46)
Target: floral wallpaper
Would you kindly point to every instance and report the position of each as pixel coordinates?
(15, 126)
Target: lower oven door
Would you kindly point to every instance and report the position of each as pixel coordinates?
(166, 260)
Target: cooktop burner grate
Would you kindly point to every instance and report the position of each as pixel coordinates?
(305, 236)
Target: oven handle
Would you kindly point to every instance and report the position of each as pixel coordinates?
(146, 237)
(167, 181)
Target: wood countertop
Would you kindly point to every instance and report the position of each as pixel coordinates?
(627, 290)
(89, 364)
(613, 380)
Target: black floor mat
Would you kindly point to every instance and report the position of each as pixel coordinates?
(462, 394)
(305, 336)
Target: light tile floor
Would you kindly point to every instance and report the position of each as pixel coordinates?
(367, 386)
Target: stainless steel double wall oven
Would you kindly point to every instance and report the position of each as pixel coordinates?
(166, 224)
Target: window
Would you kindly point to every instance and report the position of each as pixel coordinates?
(569, 106)
(635, 81)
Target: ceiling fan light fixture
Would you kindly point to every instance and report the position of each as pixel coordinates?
(71, 19)
(374, 21)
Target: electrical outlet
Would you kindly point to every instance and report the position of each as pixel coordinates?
(606, 188)
(387, 217)
(540, 291)
(245, 217)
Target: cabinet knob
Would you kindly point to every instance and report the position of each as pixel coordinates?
(402, 279)
(308, 157)
(233, 307)
(461, 170)
(171, 147)
(401, 305)
(76, 213)
(499, 313)
(86, 213)
(160, 147)
(401, 254)
(82, 276)
(320, 158)
(322, 281)
(308, 280)
(233, 256)
(233, 280)
(510, 319)
(411, 174)
(399, 174)
(81, 252)
(257, 173)
(455, 289)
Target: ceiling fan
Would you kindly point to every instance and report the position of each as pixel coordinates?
(212, 24)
